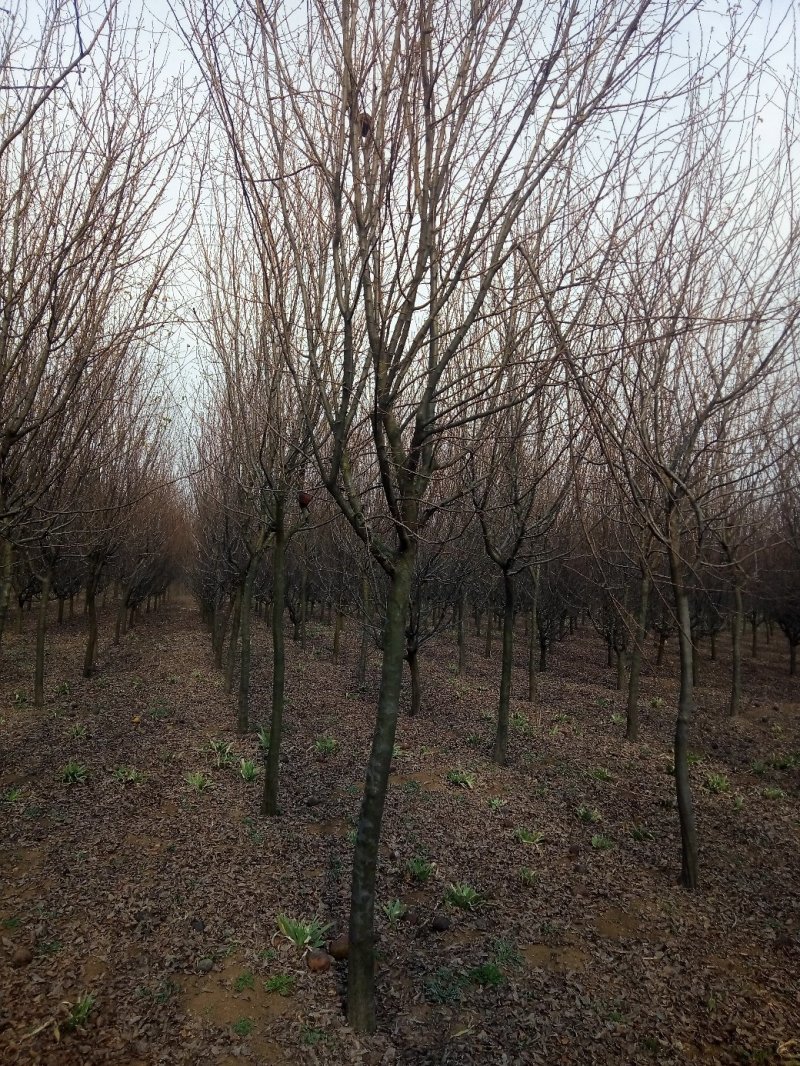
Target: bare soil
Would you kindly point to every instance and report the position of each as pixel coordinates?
(161, 901)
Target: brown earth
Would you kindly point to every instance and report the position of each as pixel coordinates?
(161, 901)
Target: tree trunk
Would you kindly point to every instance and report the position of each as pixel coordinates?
(361, 965)
(792, 659)
(462, 636)
(91, 608)
(41, 633)
(61, 610)
(620, 654)
(242, 721)
(632, 713)
(737, 627)
(303, 604)
(337, 634)
(754, 640)
(533, 638)
(6, 563)
(713, 638)
(662, 643)
(542, 651)
(269, 802)
(233, 644)
(122, 610)
(500, 750)
(685, 711)
(218, 643)
(412, 658)
(487, 648)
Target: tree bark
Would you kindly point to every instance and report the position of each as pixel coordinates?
(500, 750)
(361, 965)
(792, 659)
(487, 647)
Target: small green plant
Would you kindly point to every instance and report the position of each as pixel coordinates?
(487, 975)
(717, 783)
(656, 703)
(244, 982)
(159, 712)
(738, 802)
(617, 718)
(419, 869)
(13, 794)
(243, 1027)
(528, 876)
(394, 910)
(198, 781)
(79, 1011)
(475, 740)
(528, 836)
(640, 833)
(588, 814)
(263, 737)
(282, 984)
(444, 985)
(693, 758)
(520, 723)
(303, 934)
(64, 689)
(222, 751)
(19, 698)
(601, 842)
(496, 803)
(506, 953)
(463, 895)
(248, 771)
(311, 1037)
(128, 775)
(601, 774)
(11, 923)
(759, 767)
(74, 773)
(352, 836)
(461, 778)
(412, 787)
(324, 745)
(773, 793)
(79, 731)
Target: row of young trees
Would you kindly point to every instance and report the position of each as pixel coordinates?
(502, 264)
(91, 155)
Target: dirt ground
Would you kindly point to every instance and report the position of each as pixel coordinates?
(160, 900)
